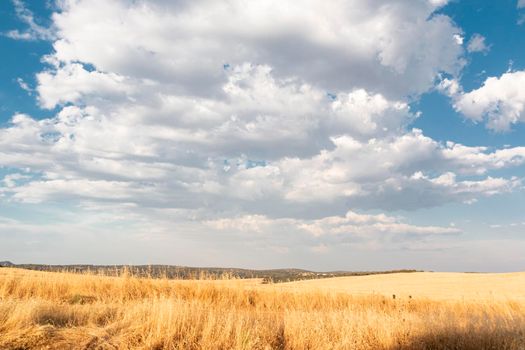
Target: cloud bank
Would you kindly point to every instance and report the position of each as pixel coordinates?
(267, 117)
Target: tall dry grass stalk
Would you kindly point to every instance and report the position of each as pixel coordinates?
(43, 310)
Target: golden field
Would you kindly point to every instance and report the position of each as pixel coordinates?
(48, 310)
(487, 287)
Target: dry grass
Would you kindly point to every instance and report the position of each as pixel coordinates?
(452, 286)
(43, 310)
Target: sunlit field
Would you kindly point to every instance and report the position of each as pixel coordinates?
(48, 310)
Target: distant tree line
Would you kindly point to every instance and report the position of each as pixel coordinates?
(185, 272)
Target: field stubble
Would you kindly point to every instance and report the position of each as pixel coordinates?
(45, 310)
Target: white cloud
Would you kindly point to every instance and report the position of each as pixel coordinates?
(53, 189)
(331, 151)
(24, 86)
(521, 4)
(11, 180)
(72, 83)
(439, 3)
(247, 118)
(458, 38)
(350, 224)
(477, 44)
(370, 173)
(252, 116)
(478, 161)
(319, 234)
(500, 101)
(362, 225)
(183, 44)
(34, 30)
(450, 87)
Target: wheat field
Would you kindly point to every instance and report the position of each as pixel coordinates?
(49, 310)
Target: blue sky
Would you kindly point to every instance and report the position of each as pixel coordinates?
(21, 60)
(354, 135)
(496, 21)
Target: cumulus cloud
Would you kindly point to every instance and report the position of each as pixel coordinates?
(249, 117)
(500, 101)
(183, 43)
(71, 83)
(450, 87)
(78, 156)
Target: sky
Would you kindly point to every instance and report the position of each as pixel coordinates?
(340, 135)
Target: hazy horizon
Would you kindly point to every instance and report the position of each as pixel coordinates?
(344, 135)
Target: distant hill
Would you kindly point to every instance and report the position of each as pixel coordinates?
(185, 272)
